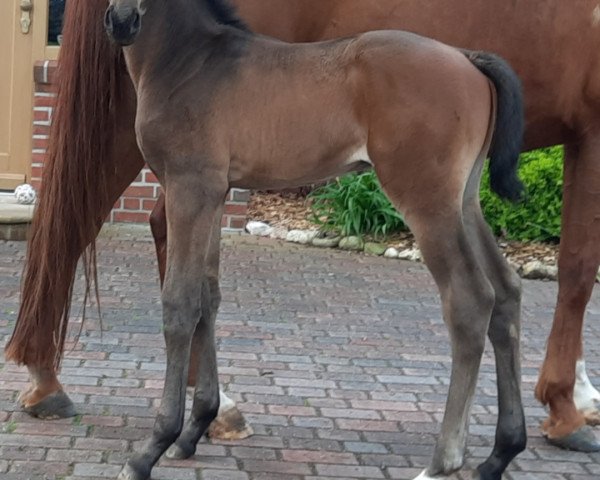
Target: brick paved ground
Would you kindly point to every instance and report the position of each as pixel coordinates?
(340, 362)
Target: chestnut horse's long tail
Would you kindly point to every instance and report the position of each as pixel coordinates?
(74, 185)
(510, 124)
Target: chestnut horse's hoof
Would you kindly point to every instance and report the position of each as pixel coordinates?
(56, 405)
(230, 424)
(582, 440)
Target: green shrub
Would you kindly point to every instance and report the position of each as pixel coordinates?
(537, 217)
(355, 205)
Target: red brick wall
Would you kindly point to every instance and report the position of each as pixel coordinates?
(138, 200)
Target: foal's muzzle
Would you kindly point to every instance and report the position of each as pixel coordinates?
(122, 27)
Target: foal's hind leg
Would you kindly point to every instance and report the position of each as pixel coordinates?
(504, 333)
(467, 301)
(230, 423)
(577, 267)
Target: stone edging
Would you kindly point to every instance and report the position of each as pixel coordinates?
(534, 270)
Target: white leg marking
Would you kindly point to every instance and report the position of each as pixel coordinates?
(423, 476)
(586, 396)
(226, 403)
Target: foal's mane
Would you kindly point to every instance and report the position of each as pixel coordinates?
(225, 13)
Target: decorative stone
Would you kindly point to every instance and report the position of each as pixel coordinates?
(352, 243)
(514, 265)
(537, 270)
(260, 229)
(391, 253)
(412, 254)
(301, 236)
(326, 240)
(374, 248)
(280, 233)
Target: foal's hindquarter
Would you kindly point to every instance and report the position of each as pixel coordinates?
(257, 113)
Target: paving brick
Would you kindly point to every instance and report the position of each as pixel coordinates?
(340, 362)
(346, 471)
(312, 456)
(223, 475)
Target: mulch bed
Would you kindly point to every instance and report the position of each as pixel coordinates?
(292, 211)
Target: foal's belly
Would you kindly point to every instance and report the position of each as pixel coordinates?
(290, 169)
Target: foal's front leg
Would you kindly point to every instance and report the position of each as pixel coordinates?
(230, 423)
(203, 358)
(191, 217)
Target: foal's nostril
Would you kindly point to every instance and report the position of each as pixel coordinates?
(108, 22)
(137, 22)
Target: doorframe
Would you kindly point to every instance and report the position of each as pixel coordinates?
(38, 50)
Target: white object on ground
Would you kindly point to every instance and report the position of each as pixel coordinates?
(25, 194)
(260, 229)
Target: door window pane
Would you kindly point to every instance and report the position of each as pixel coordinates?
(55, 19)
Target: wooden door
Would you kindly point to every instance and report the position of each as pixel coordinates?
(16, 90)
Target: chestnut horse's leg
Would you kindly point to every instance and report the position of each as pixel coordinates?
(158, 227)
(577, 266)
(504, 333)
(45, 397)
(190, 225)
(230, 424)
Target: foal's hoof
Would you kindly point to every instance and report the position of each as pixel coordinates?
(583, 440)
(130, 473)
(56, 405)
(423, 476)
(175, 452)
(230, 425)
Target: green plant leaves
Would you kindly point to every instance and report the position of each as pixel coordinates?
(355, 204)
(537, 217)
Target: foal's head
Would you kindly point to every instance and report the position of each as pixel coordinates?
(123, 20)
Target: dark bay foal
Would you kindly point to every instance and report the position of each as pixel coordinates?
(220, 107)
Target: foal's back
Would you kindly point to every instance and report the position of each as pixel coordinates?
(553, 45)
(297, 113)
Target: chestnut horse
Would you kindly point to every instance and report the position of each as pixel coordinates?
(220, 107)
(561, 107)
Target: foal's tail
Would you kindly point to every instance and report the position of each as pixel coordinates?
(510, 124)
(76, 175)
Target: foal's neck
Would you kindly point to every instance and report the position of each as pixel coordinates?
(171, 29)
